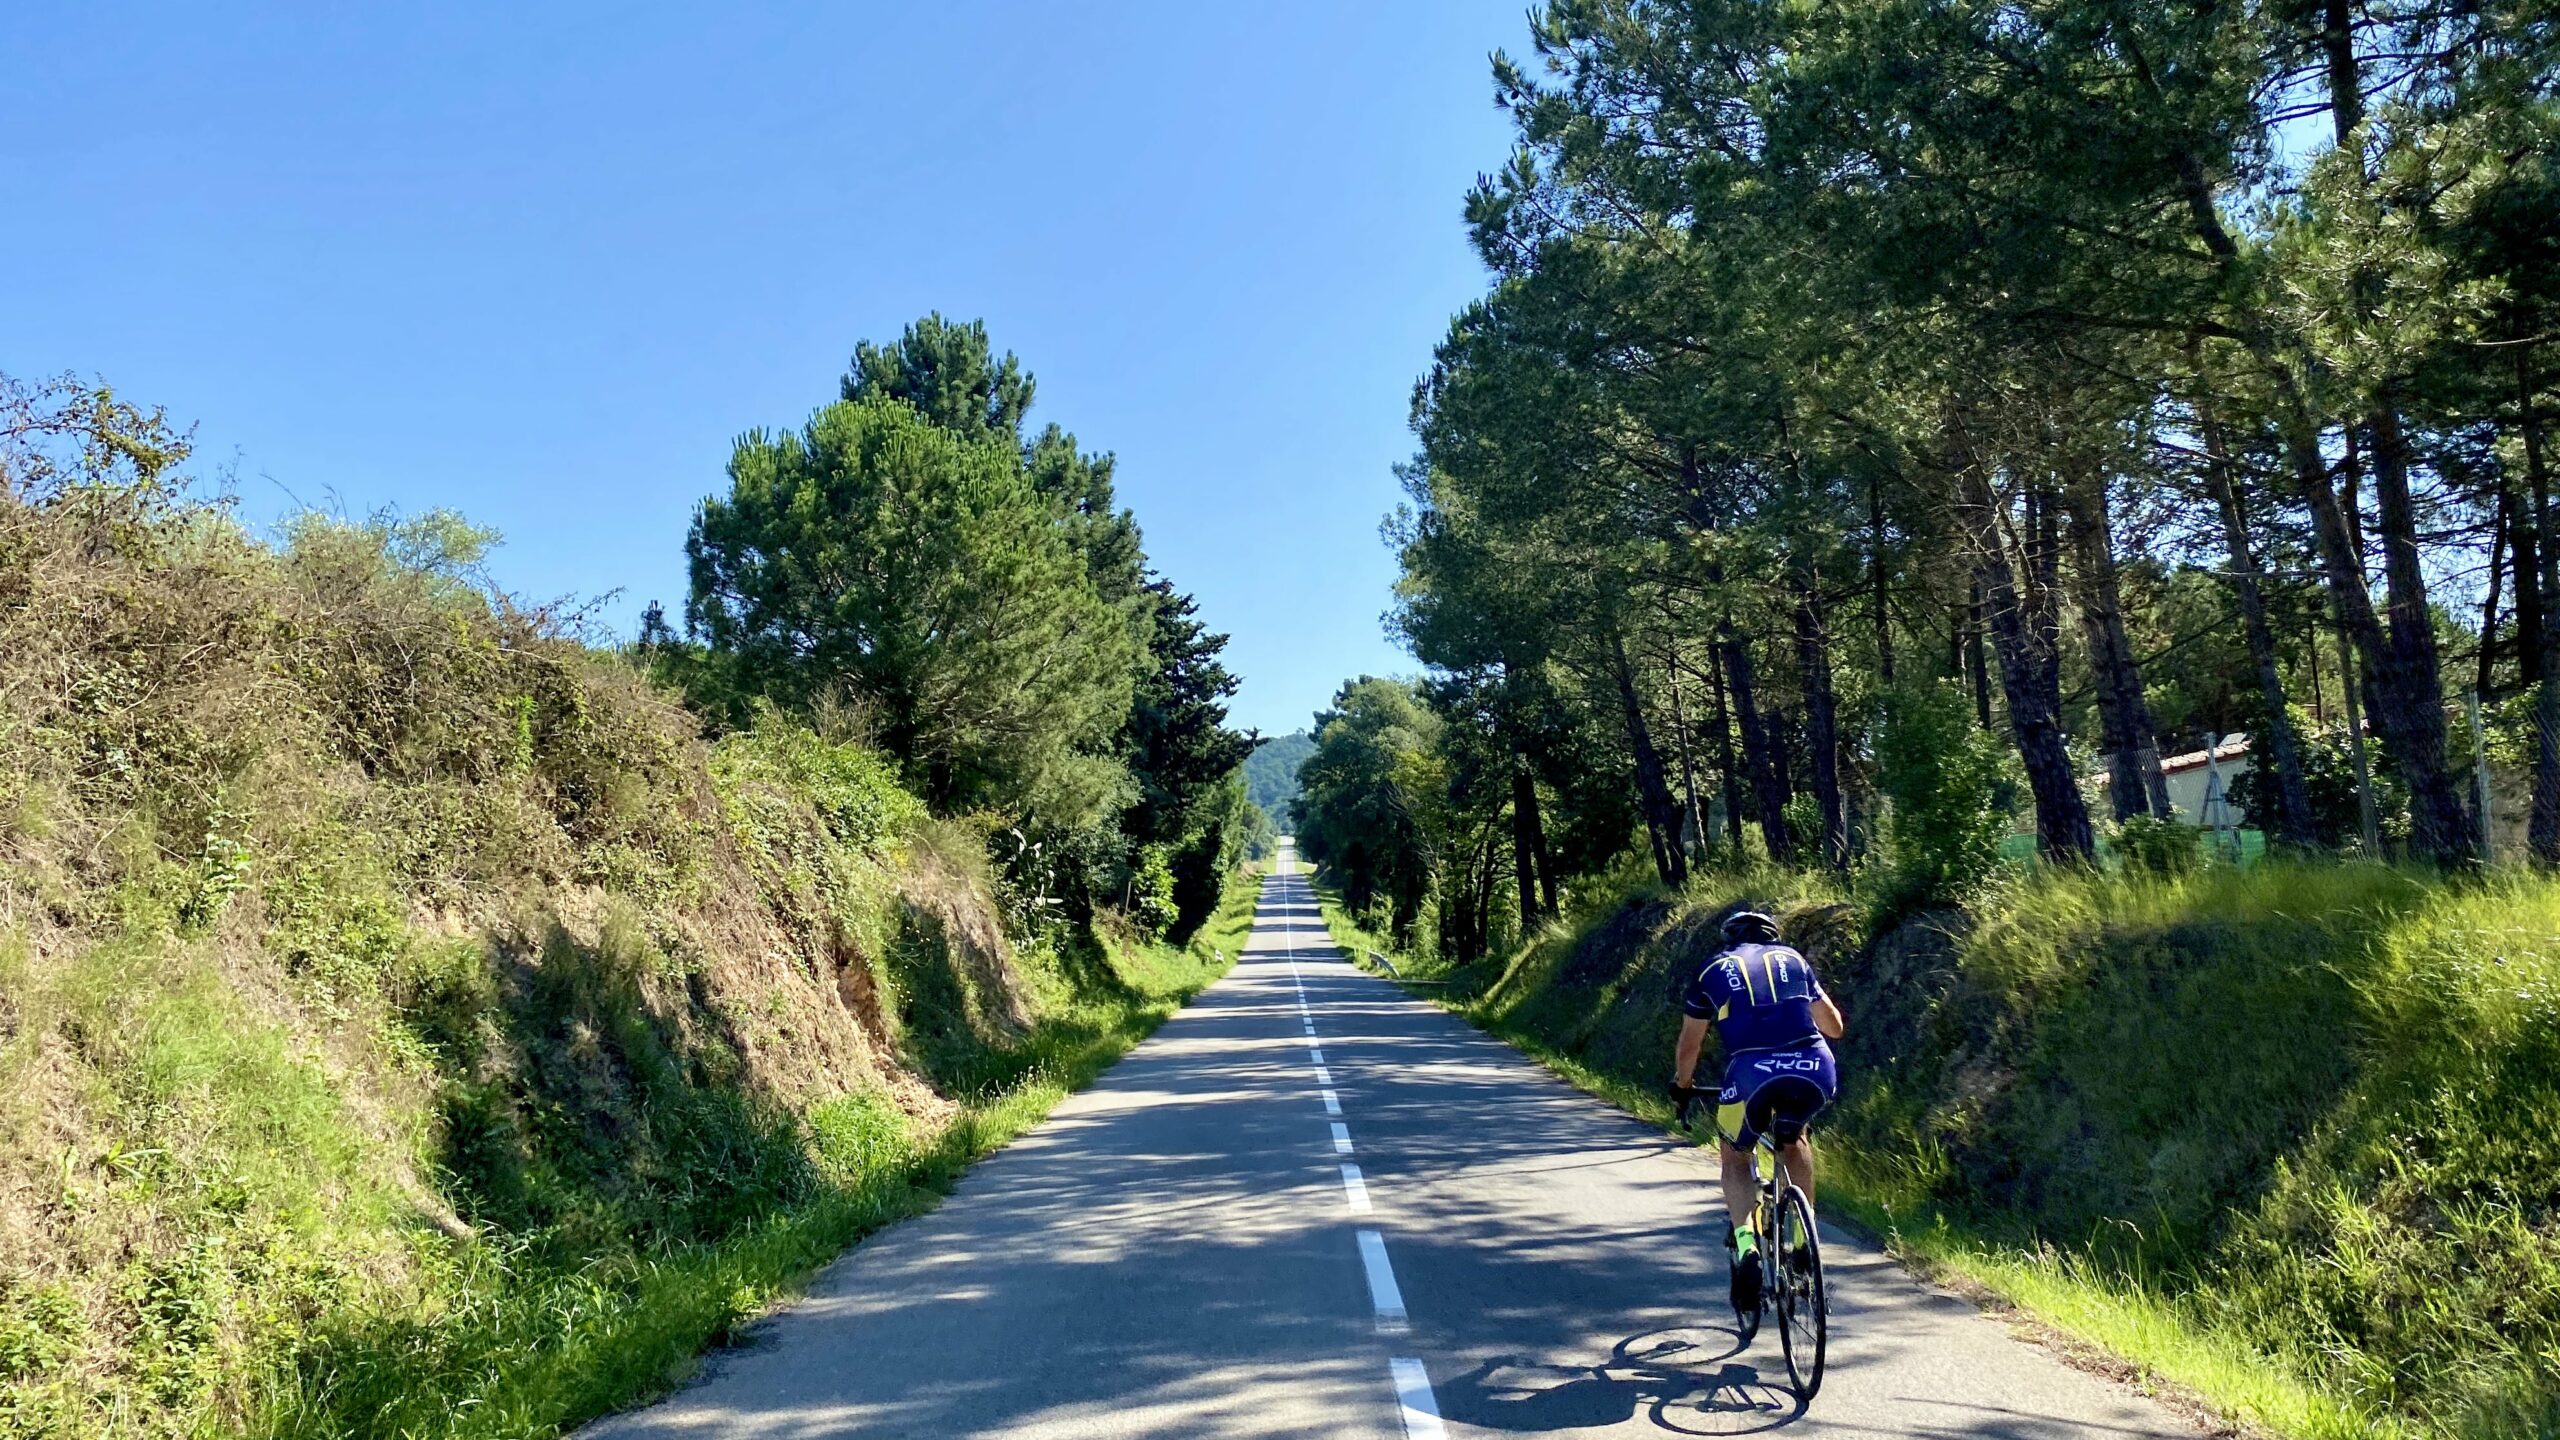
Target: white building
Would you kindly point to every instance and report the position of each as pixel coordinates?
(2192, 792)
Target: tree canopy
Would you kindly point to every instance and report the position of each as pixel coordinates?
(913, 565)
(2135, 374)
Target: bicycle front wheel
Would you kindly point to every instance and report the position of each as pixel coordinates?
(1803, 1305)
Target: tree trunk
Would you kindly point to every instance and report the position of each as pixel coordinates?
(2350, 689)
(2501, 541)
(2134, 776)
(1525, 841)
(2405, 686)
(2292, 824)
(1730, 776)
(2042, 546)
(2439, 824)
(1546, 856)
(2524, 545)
(2404, 697)
(2412, 717)
(1977, 665)
(2542, 831)
(1758, 754)
(1876, 578)
(1661, 812)
(1691, 819)
(2028, 679)
(1821, 721)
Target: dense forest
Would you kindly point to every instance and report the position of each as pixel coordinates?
(1889, 419)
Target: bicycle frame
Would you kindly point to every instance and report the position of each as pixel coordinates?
(1773, 1180)
(1777, 1187)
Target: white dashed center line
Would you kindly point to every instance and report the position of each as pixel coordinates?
(1384, 1297)
(1416, 1406)
(1413, 1397)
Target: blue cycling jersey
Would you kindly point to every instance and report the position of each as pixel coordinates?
(1760, 996)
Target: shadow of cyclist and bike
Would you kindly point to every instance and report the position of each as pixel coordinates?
(1685, 1381)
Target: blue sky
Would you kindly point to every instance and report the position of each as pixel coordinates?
(540, 263)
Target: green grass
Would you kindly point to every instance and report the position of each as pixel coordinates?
(517, 1349)
(2252, 846)
(411, 1024)
(2261, 1134)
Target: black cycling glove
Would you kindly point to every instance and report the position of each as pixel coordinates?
(1684, 1098)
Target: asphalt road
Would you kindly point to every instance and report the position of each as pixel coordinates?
(1201, 1246)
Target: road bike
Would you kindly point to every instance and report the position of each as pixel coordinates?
(1790, 1259)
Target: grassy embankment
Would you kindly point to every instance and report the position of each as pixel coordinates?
(409, 1026)
(2281, 1138)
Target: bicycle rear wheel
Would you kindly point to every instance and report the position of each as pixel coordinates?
(1803, 1305)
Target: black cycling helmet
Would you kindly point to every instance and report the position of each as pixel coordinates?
(1750, 927)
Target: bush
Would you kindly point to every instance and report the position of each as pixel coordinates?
(2159, 847)
(1943, 777)
(1151, 892)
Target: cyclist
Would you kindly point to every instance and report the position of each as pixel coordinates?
(1775, 1023)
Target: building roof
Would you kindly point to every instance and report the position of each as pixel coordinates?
(2233, 747)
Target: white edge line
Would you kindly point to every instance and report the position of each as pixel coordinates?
(1384, 1296)
(1413, 1397)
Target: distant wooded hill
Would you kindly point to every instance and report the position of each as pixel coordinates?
(1271, 774)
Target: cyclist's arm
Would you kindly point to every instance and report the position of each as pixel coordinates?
(1684, 1055)
(1826, 1018)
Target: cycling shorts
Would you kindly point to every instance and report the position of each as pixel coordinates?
(1775, 1090)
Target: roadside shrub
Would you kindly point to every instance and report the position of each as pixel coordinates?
(2159, 846)
(1151, 892)
(1942, 778)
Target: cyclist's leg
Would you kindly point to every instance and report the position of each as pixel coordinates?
(1798, 1158)
(1741, 1187)
(1735, 1141)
